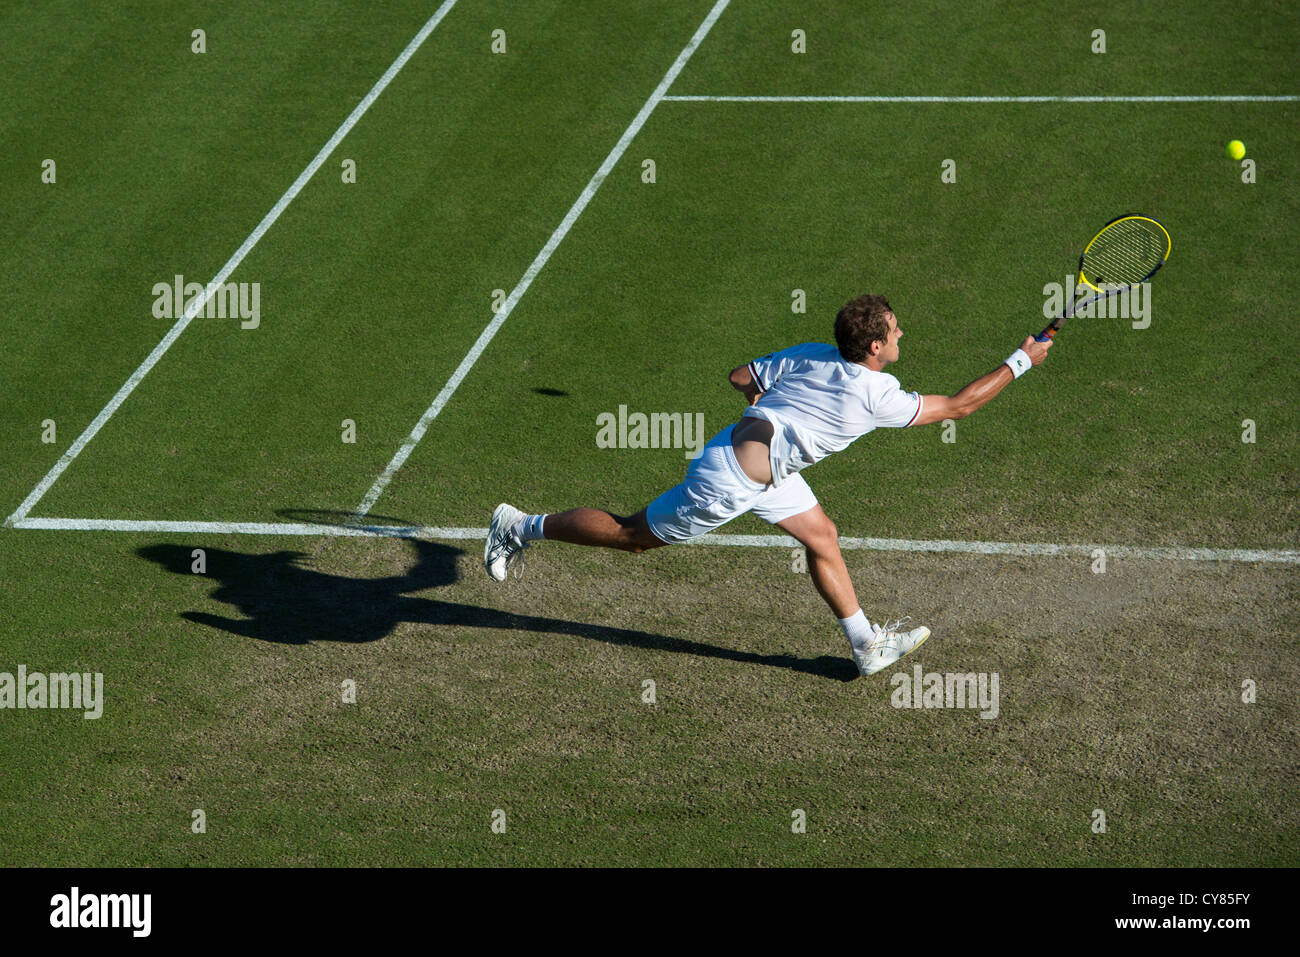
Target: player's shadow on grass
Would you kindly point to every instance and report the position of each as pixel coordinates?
(285, 601)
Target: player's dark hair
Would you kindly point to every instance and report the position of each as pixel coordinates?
(861, 322)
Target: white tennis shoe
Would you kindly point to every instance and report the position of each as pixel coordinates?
(503, 550)
(887, 645)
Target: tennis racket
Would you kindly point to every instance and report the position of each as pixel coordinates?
(1126, 252)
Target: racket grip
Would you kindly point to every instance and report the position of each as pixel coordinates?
(1045, 335)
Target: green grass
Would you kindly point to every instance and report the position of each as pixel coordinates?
(1119, 691)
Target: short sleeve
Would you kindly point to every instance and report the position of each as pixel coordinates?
(896, 409)
(770, 369)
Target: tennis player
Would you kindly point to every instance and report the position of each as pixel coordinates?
(805, 402)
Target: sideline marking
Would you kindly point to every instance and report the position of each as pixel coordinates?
(981, 99)
(1171, 553)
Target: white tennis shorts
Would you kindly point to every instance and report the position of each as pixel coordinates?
(716, 490)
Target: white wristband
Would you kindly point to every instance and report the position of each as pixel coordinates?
(1019, 362)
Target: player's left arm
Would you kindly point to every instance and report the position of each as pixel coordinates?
(757, 376)
(742, 380)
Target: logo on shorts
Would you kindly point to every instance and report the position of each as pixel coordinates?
(657, 430)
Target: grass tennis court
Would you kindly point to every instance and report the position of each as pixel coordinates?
(479, 194)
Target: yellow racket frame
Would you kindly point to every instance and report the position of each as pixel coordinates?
(1169, 246)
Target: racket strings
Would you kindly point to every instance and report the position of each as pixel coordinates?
(1124, 254)
(1125, 259)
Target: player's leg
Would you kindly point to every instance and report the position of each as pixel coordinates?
(511, 531)
(714, 492)
(592, 526)
(817, 533)
(794, 509)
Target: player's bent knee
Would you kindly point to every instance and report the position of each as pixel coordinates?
(637, 535)
(825, 539)
(645, 544)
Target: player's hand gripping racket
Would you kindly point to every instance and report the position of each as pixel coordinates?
(1126, 252)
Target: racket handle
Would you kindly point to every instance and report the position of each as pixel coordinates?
(1045, 335)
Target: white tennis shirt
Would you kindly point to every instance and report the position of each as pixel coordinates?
(819, 403)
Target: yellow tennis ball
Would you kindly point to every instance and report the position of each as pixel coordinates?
(1236, 149)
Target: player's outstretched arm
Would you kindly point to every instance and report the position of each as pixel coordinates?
(743, 382)
(936, 408)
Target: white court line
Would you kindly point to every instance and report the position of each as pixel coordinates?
(1033, 549)
(561, 231)
(160, 350)
(248, 528)
(981, 99)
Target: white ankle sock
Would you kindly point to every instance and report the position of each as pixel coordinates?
(529, 528)
(857, 629)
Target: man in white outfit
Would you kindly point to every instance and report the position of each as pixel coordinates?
(805, 402)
